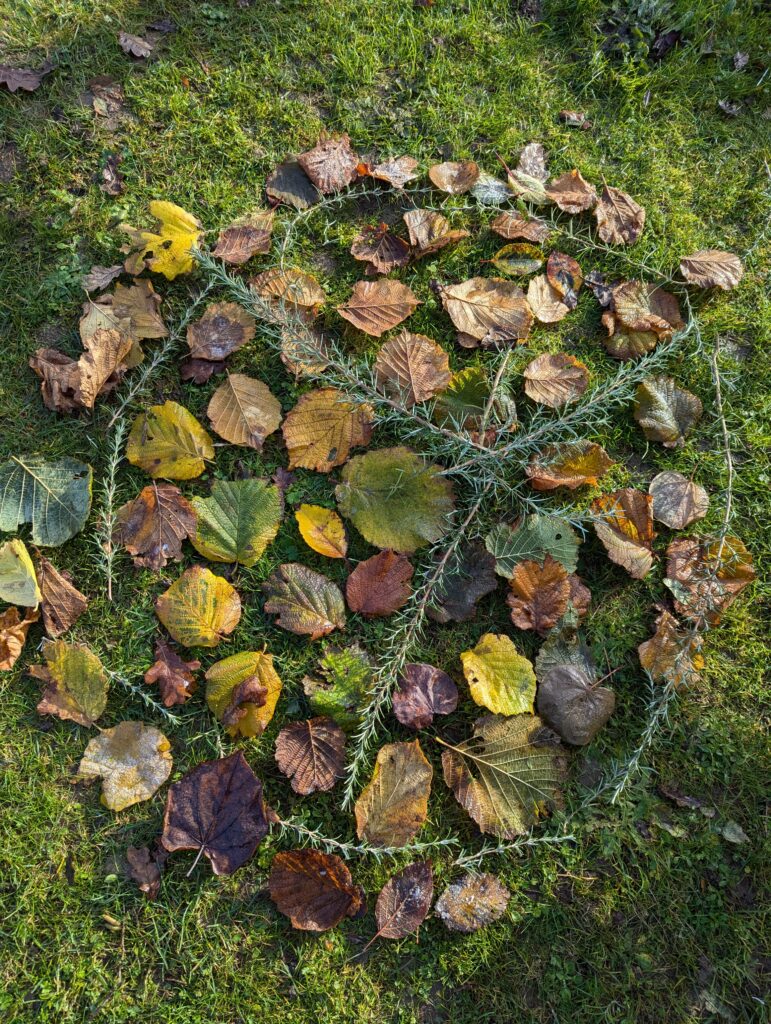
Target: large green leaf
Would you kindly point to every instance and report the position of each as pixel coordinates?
(345, 688)
(395, 499)
(55, 497)
(532, 540)
(238, 521)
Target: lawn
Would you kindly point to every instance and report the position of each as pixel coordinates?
(650, 914)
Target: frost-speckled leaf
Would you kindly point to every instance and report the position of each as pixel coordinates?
(18, 580)
(472, 902)
(168, 441)
(243, 411)
(238, 521)
(199, 609)
(404, 901)
(306, 602)
(75, 681)
(499, 677)
(394, 805)
(231, 683)
(55, 497)
(133, 761)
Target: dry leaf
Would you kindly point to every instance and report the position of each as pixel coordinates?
(545, 301)
(573, 704)
(677, 501)
(380, 585)
(305, 601)
(224, 328)
(290, 290)
(468, 576)
(304, 350)
(666, 412)
(472, 903)
(429, 232)
(134, 46)
(404, 901)
(174, 676)
(489, 309)
(67, 384)
(314, 890)
(132, 760)
(706, 576)
(62, 603)
(243, 411)
(454, 178)
(168, 441)
(512, 224)
(199, 371)
(412, 367)
(528, 178)
(499, 677)
(290, 184)
(311, 754)
(323, 427)
(555, 380)
(572, 193)
(673, 654)
(539, 595)
(393, 806)
(75, 682)
(712, 268)
(245, 237)
(624, 524)
(322, 530)
(331, 165)
(397, 171)
(376, 306)
(573, 464)
(23, 78)
(152, 526)
(100, 277)
(619, 218)
(199, 609)
(169, 251)
(243, 691)
(565, 276)
(13, 635)
(423, 691)
(382, 249)
(145, 870)
(639, 316)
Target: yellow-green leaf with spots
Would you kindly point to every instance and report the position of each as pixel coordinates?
(199, 609)
(499, 677)
(242, 691)
(168, 441)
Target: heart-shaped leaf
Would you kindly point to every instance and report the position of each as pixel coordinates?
(55, 497)
(242, 691)
(305, 601)
(168, 441)
(313, 889)
(311, 754)
(199, 609)
(499, 677)
(238, 521)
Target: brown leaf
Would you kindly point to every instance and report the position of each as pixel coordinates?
(376, 306)
(624, 524)
(639, 316)
(712, 268)
(306, 602)
(404, 901)
(572, 193)
(423, 691)
(565, 276)
(68, 385)
(573, 464)
(573, 704)
(666, 412)
(174, 676)
(706, 575)
(243, 411)
(101, 277)
(513, 225)
(429, 232)
(13, 635)
(672, 654)
(382, 249)
(677, 501)
(289, 184)
(311, 754)
(245, 237)
(413, 367)
(106, 96)
(304, 351)
(555, 380)
(145, 870)
(600, 287)
(489, 309)
(394, 805)
(133, 45)
(454, 178)
(218, 809)
(113, 182)
(75, 682)
(291, 289)
(472, 902)
(331, 165)
(396, 172)
(314, 890)
(246, 698)
(467, 578)
(62, 603)
(574, 119)
(619, 218)
(539, 594)
(380, 585)
(545, 301)
(199, 371)
(23, 78)
(223, 329)
(323, 427)
(153, 525)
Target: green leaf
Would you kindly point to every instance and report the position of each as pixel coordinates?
(534, 539)
(395, 499)
(346, 685)
(463, 404)
(238, 521)
(75, 682)
(55, 497)
(18, 581)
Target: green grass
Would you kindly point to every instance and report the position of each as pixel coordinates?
(651, 916)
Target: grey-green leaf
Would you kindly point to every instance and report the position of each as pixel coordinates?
(55, 497)
(534, 539)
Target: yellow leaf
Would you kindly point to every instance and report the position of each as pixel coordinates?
(322, 530)
(166, 252)
(18, 582)
(75, 681)
(168, 441)
(499, 677)
(231, 682)
(323, 427)
(199, 609)
(393, 807)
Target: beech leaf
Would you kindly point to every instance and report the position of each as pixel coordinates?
(518, 259)
(677, 501)
(168, 441)
(555, 380)
(132, 760)
(199, 609)
(237, 521)
(311, 754)
(712, 268)
(322, 530)
(545, 301)
(305, 601)
(242, 691)
(472, 902)
(423, 691)
(290, 289)
(75, 681)
(393, 806)
(376, 306)
(380, 585)
(313, 889)
(489, 309)
(624, 524)
(323, 427)
(153, 525)
(243, 411)
(412, 367)
(565, 276)
(499, 677)
(55, 497)
(572, 193)
(512, 224)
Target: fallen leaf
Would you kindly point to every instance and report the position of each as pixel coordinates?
(18, 580)
(237, 521)
(545, 301)
(555, 380)
(290, 184)
(175, 677)
(395, 499)
(55, 497)
(462, 405)
(468, 576)
(132, 760)
(168, 251)
(565, 276)
(106, 96)
(13, 635)
(429, 232)
(145, 870)
(153, 525)
(507, 775)
(572, 464)
(393, 806)
(706, 576)
(574, 119)
(62, 603)
(638, 318)
(322, 530)
(304, 350)
(168, 441)
(732, 832)
(666, 412)
(134, 46)
(321, 429)
(376, 306)
(305, 601)
(113, 182)
(518, 259)
(382, 249)
(380, 585)
(533, 539)
(345, 689)
(489, 309)
(672, 654)
(331, 165)
(311, 754)
(397, 171)
(99, 278)
(677, 501)
(313, 889)
(199, 609)
(620, 220)
(68, 385)
(539, 595)
(454, 178)
(712, 268)
(246, 237)
(512, 224)
(624, 524)
(242, 691)
(218, 809)
(404, 901)
(600, 287)
(75, 681)
(573, 704)
(423, 691)
(491, 191)
(528, 178)
(224, 328)
(499, 677)
(26, 79)
(572, 193)
(472, 902)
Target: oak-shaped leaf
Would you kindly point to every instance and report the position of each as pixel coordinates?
(380, 585)
(344, 690)
(169, 250)
(489, 309)
(624, 524)
(18, 579)
(322, 530)
(54, 497)
(545, 302)
(539, 594)
(289, 184)
(512, 224)
(393, 806)
(243, 411)
(508, 774)
(532, 538)
(376, 306)
(397, 171)
(555, 380)
(75, 682)
(404, 901)
(199, 609)
(412, 367)
(245, 237)
(323, 427)
(290, 290)
(174, 677)
(382, 249)
(305, 601)
(62, 603)
(712, 268)
(144, 869)
(314, 890)
(224, 328)
(673, 653)
(677, 501)
(331, 164)
(13, 635)
(571, 464)
(454, 177)
(133, 760)
(468, 576)
(153, 525)
(311, 754)
(620, 219)
(472, 902)
(168, 441)
(499, 677)
(706, 576)
(429, 232)
(572, 193)
(395, 499)
(666, 412)
(27, 79)
(218, 809)
(242, 691)
(237, 521)
(573, 703)
(423, 691)
(138, 303)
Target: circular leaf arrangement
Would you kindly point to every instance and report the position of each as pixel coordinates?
(452, 463)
